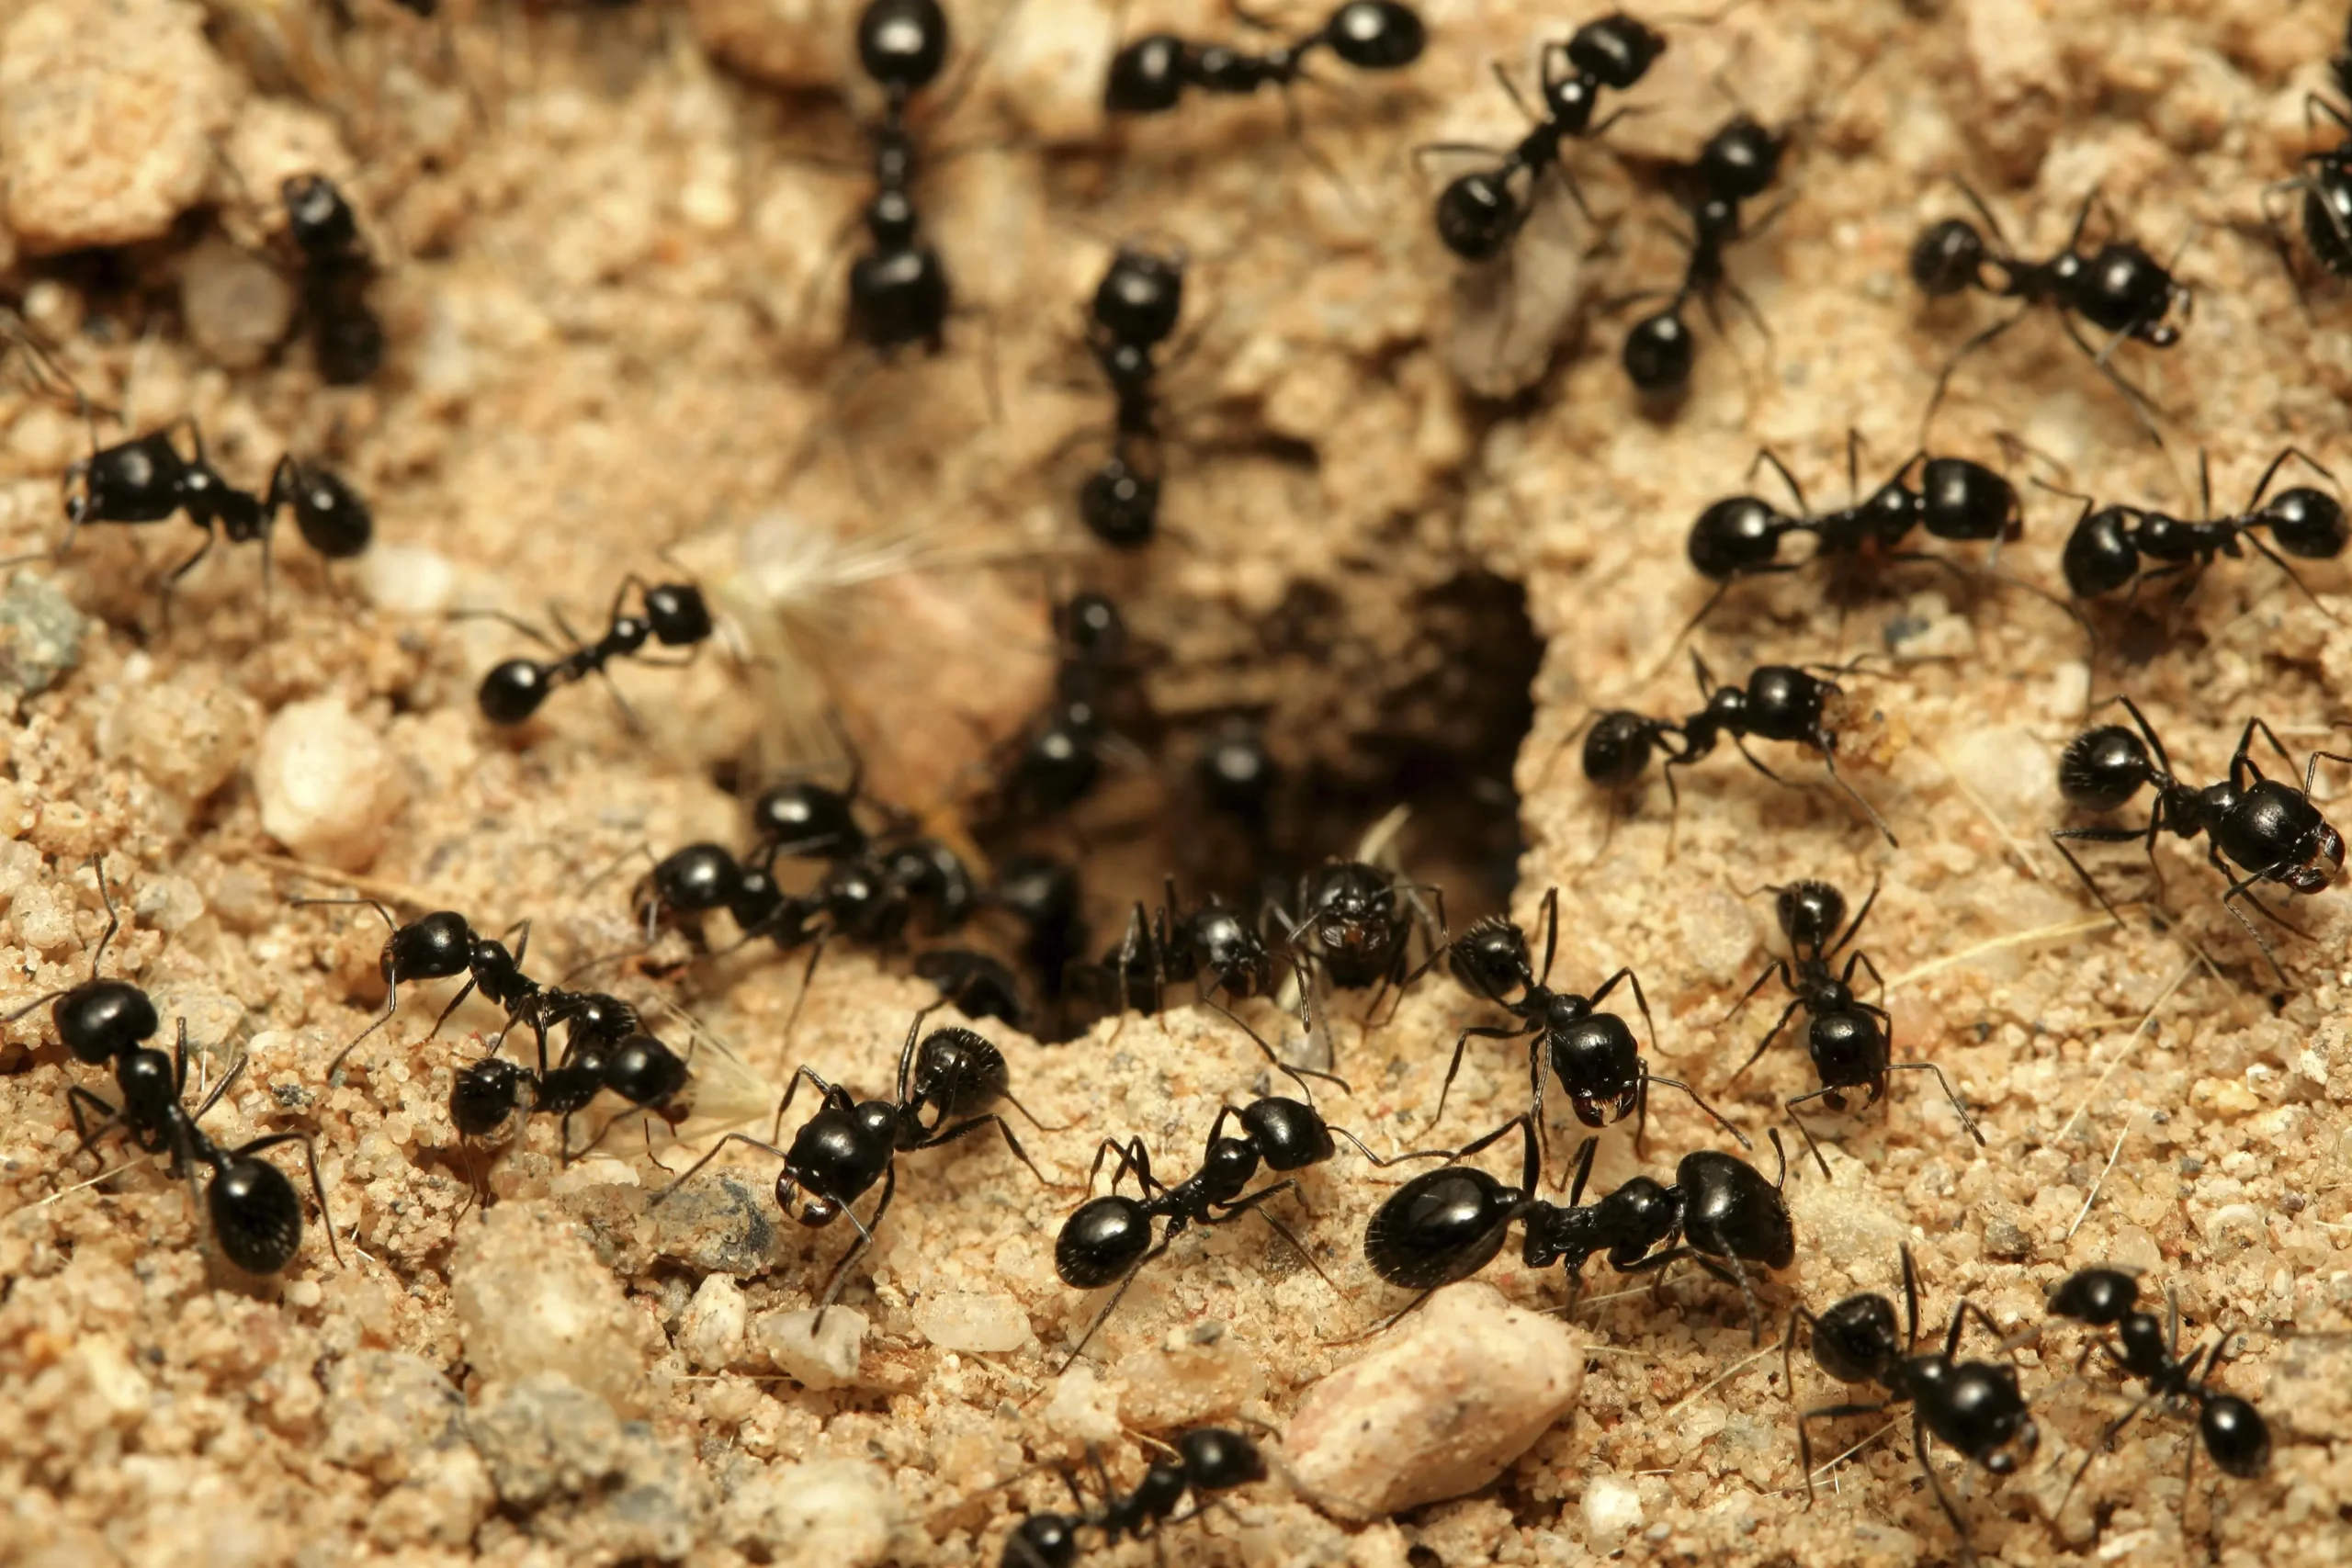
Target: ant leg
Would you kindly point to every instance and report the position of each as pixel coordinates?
(2143, 406)
(318, 1188)
(792, 1086)
(1117, 1296)
(1943, 1500)
(858, 1247)
(979, 1124)
(1393, 1159)
(1959, 1107)
(2274, 558)
(1385, 1323)
(1823, 1413)
(1648, 1078)
(1944, 379)
(1296, 1074)
(2106, 1444)
(1773, 1033)
(77, 1097)
(2097, 836)
(1765, 454)
(1806, 1133)
(717, 1149)
(1477, 1030)
(1829, 765)
(1778, 966)
(2228, 903)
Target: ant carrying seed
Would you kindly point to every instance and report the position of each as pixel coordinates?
(2120, 288)
(1447, 1224)
(1109, 1238)
(1206, 1461)
(1738, 163)
(674, 614)
(850, 1145)
(1952, 499)
(1850, 1041)
(1974, 1406)
(1593, 1054)
(2268, 826)
(1479, 213)
(1150, 75)
(254, 1214)
(2106, 551)
(345, 337)
(2232, 1430)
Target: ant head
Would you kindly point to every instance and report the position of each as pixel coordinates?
(2307, 523)
(678, 613)
(483, 1095)
(1140, 297)
(597, 1020)
(1810, 914)
(1733, 537)
(2104, 767)
(1120, 505)
(1596, 1059)
(1947, 258)
(1216, 1460)
(1289, 1133)
(512, 692)
(2100, 1296)
(318, 217)
(1348, 892)
(1740, 161)
(1092, 627)
(1855, 1338)
(1617, 50)
(1640, 1215)
(434, 948)
(2326, 865)
(1476, 213)
(1658, 353)
(2101, 556)
(254, 1215)
(1616, 749)
(1104, 1238)
(700, 877)
(1146, 76)
(1963, 499)
(1377, 35)
(902, 44)
(100, 1020)
(1442, 1226)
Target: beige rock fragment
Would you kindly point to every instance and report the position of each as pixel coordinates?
(108, 109)
(816, 1357)
(1050, 66)
(185, 735)
(712, 1331)
(1838, 1220)
(980, 1321)
(237, 305)
(1437, 1411)
(531, 1297)
(792, 43)
(825, 1514)
(2020, 80)
(329, 785)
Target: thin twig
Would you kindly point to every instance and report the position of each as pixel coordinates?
(1719, 1380)
(2129, 1042)
(375, 887)
(1999, 943)
(2113, 1154)
(1986, 810)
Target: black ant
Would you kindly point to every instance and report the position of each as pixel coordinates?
(674, 614)
(1738, 163)
(604, 1049)
(2234, 1432)
(1109, 1238)
(1354, 927)
(2325, 181)
(1208, 1460)
(1149, 75)
(980, 985)
(898, 288)
(800, 818)
(1974, 1406)
(1479, 213)
(849, 1145)
(439, 947)
(2268, 826)
(1594, 1055)
(345, 337)
(1954, 499)
(700, 878)
(1849, 1040)
(2120, 288)
(1060, 760)
(1447, 1224)
(1136, 308)
(1780, 702)
(1238, 774)
(2105, 550)
(98, 1019)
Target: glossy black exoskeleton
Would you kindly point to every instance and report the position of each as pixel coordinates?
(1108, 1239)
(1737, 164)
(1150, 74)
(2120, 288)
(978, 985)
(2268, 826)
(674, 614)
(1205, 1461)
(1973, 1407)
(1136, 308)
(438, 946)
(1851, 1043)
(1355, 924)
(898, 292)
(98, 1019)
(345, 336)
(954, 1075)
(2119, 546)
(2233, 1431)
(1446, 1225)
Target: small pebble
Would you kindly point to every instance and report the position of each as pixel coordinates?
(236, 305)
(532, 1297)
(187, 737)
(1612, 1511)
(813, 1358)
(825, 1514)
(40, 637)
(1451, 1398)
(976, 1321)
(407, 580)
(711, 1332)
(329, 786)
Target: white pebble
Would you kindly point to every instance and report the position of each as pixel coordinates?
(825, 1514)
(978, 1321)
(407, 580)
(1439, 1410)
(329, 786)
(1612, 1511)
(814, 1357)
(711, 1331)
(169, 903)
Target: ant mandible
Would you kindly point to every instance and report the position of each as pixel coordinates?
(1207, 1460)
(2268, 826)
(1446, 1225)
(345, 337)
(1109, 1239)
(1592, 1053)
(2104, 551)
(1974, 1406)
(1480, 212)
(674, 614)
(1850, 1041)
(2233, 1431)
(850, 1145)
(2120, 289)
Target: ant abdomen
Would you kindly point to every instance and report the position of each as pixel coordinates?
(2307, 523)
(2099, 557)
(1377, 35)
(1106, 1236)
(1734, 536)
(254, 1215)
(2103, 768)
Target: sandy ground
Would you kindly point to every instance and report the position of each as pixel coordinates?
(599, 249)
